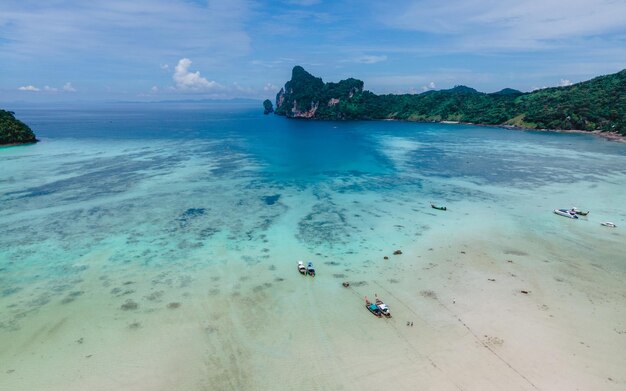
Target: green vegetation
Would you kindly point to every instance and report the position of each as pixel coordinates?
(268, 107)
(14, 131)
(305, 92)
(598, 104)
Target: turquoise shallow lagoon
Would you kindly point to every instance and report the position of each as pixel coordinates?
(154, 247)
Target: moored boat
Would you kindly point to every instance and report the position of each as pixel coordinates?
(301, 268)
(310, 270)
(609, 224)
(579, 212)
(373, 308)
(566, 213)
(438, 207)
(382, 307)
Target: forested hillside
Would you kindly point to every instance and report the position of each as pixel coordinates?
(14, 131)
(597, 104)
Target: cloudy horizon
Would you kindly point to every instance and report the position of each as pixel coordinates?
(182, 49)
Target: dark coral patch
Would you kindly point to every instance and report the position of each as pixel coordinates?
(271, 200)
(129, 305)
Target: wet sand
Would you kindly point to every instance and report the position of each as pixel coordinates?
(251, 327)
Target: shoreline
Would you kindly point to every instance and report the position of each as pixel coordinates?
(18, 144)
(611, 136)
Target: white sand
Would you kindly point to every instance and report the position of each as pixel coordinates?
(468, 333)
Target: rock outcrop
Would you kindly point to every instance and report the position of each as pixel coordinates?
(307, 96)
(267, 107)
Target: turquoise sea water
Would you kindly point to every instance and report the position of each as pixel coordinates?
(133, 213)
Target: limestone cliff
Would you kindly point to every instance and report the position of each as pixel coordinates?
(307, 96)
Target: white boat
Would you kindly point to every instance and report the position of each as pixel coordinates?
(382, 307)
(609, 224)
(566, 213)
(301, 267)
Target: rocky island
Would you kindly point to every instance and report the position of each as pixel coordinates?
(268, 107)
(595, 105)
(13, 131)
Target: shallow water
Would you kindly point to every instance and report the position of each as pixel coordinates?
(133, 223)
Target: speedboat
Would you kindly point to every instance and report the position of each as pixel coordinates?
(382, 307)
(609, 224)
(373, 308)
(566, 213)
(301, 268)
(310, 269)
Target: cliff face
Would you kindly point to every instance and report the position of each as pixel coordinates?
(595, 105)
(307, 96)
(14, 131)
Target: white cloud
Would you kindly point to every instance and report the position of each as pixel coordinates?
(124, 32)
(186, 80)
(29, 88)
(366, 59)
(272, 63)
(562, 83)
(429, 86)
(67, 87)
(243, 89)
(302, 3)
(154, 89)
(497, 24)
(165, 67)
(369, 59)
(269, 87)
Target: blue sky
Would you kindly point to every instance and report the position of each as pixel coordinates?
(147, 50)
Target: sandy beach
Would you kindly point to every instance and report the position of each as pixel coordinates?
(611, 136)
(483, 318)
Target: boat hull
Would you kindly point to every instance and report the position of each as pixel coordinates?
(310, 270)
(565, 213)
(374, 310)
(382, 307)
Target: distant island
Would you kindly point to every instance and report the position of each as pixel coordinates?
(13, 131)
(267, 106)
(595, 105)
